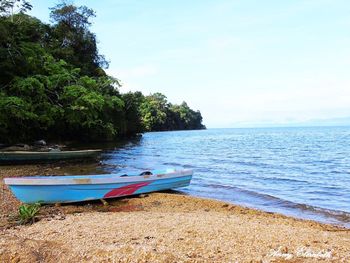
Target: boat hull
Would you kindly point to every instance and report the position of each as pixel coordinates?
(37, 157)
(83, 188)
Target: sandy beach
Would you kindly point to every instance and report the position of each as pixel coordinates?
(162, 227)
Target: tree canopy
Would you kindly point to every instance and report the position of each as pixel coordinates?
(53, 84)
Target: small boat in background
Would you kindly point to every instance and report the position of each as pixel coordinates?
(67, 189)
(53, 155)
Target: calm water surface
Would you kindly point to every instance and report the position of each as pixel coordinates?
(303, 172)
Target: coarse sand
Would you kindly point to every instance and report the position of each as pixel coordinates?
(164, 227)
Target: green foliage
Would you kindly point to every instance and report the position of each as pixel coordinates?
(14, 114)
(53, 86)
(60, 103)
(73, 42)
(133, 115)
(7, 7)
(21, 46)
(158, 114)
(27, 213)
(154, 112)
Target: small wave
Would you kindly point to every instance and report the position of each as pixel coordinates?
(189, 166)
(284, 179)
(172, 164)
(182, 165)
(273, 201)
(316, 173)
(339, 215)
(248, 163)
(332, 188)
(321, 194)
(229, 187)
(339, 172)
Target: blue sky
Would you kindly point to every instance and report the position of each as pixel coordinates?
(241, 63)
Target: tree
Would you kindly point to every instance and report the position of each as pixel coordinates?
(9, 7)
(72, 40)
(158, 114)
(53, 86)
(22, 47)
(133, 116)
(153, 111)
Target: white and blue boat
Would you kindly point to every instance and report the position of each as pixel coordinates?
(67, 189)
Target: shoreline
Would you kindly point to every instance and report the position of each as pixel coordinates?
(164, 227)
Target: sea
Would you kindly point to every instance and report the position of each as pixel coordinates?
(302, 172)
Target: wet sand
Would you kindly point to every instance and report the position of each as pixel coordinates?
(162, 227)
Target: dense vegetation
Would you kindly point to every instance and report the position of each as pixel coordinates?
(53, 84)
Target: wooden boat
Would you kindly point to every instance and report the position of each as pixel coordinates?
(28, 157)
(66, 189)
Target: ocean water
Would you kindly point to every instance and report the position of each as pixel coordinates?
(301, 172)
